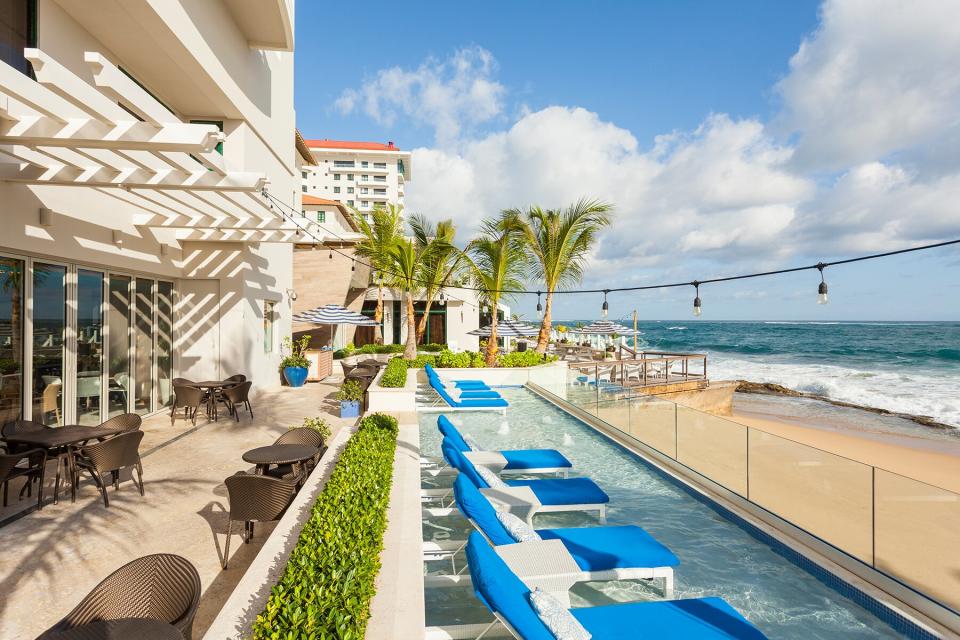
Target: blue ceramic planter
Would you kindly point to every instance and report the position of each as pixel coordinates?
(349, 408)
(295, 376)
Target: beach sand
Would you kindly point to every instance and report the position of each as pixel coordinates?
(932, 460)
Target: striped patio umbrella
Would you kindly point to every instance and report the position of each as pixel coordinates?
(508, 329)
(606, 328)
(334, 314)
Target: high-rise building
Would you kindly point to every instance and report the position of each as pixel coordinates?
(360, 175)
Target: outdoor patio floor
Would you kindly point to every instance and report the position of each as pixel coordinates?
(51, 558)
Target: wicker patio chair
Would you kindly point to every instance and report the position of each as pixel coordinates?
(10, 469)
(255, 498)
(347, 368)
(19, 426)
(238, 396)
(113, 455)
(187, 398)
(162, 587)
(298, 435)
(125, 421)
(238, 378)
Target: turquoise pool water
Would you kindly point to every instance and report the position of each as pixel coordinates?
(717, 557)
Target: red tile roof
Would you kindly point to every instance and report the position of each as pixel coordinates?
(316, 200)
(348, 144)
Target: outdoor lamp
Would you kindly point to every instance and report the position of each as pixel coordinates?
(606, 307)
(539, 307)
(696, 301)
(822, 290)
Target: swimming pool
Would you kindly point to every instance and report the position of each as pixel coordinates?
(717, 556)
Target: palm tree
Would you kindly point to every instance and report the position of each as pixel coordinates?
(380, 233)
(402, 267)
(559, 242)
(441, 265)
(497, 261)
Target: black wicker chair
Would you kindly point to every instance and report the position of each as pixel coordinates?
(113, 455)
(162, 587)
(255, 498)
(11, 469)
(238, 396)
(304, 436)
(187, 398)
(125, 421)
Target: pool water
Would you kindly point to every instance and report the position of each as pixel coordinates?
(717, 556)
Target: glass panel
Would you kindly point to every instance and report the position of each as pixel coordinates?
(616, 414)
(828, 495)
(164, 343)
(143, 343)
(916, 535)
(11, 339)
(267, 327)
(89, 345)
(715, 447)
(49, 323)
(119, 320)
(17, 28)
(654, 423)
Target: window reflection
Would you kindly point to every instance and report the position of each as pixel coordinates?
(11, 339)
(143, 339)
(164, 343)
(49, 322)
(89, 345)
(118, 311)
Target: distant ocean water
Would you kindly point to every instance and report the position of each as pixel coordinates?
(906, 367)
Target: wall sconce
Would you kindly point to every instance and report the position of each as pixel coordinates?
(46, 217)
(117, 238)
(292, 294)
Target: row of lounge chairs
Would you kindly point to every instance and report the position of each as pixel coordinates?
(465, 394)
(512, 568)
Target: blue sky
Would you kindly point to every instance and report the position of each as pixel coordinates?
(731, 137)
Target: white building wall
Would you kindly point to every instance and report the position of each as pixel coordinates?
(321, 180)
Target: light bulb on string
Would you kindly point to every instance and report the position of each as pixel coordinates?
(539, 307)
(606, 307)
(353, 265)
(330, 254)
(443, 298)
(822, 289)
(696, 301)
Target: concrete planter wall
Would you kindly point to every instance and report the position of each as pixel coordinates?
(393, 400)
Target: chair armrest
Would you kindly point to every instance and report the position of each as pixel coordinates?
(544, 564)
(492, 460)
(520, 501)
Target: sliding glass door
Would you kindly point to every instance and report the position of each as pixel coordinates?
(49, 330)
(143, 344)
(164, 343)
(119, 309)
(89, 346)
(12, 295)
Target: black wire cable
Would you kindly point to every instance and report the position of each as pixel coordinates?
(692, 283)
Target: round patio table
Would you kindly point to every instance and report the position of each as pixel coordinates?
(263, 457)
(122, 629)
(211, 387)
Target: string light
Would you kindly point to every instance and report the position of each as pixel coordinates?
(539, 307)
(822, 289)
(330, 255)
(443, 298)
(821, 298)
(606, 307)
(353, 265)
(696, 301)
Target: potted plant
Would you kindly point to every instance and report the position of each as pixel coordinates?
(349, 395)
(295, 366)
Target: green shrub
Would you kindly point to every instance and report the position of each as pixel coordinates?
(350, 391)
(326, 588)
(432, 347)
(522, 359)
(296, 348)
(319, 425)
(395, 374)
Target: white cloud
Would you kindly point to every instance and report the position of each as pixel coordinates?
(449, 95)
(877, 77)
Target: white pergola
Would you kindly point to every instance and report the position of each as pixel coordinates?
(115, 137)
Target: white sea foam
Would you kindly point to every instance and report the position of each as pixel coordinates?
(676, 328)
(921, 393)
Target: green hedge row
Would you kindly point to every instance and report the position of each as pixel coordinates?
(367, 349)
(327, 586)
(395, 374)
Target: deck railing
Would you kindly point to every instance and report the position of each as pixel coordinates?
(646, 368)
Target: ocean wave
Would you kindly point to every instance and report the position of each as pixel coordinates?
(922, 393)
(676, 328)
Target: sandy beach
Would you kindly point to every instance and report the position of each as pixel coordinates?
(935, 461)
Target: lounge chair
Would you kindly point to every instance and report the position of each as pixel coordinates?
(509, 599)
(526, 498)
(600, 553)
(432, 373)
(467, 402)
(509, 460)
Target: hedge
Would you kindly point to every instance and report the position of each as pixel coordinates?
(326, 588)
(395, 374)
(366, 349)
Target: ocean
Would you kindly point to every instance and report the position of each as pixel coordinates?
(905, 367)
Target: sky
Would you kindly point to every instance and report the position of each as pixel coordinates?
(730, 138)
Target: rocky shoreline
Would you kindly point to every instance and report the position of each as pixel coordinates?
(770, 388)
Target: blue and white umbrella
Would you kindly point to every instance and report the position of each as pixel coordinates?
(508, 329)
(334, 314)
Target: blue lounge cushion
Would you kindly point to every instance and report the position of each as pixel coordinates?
(464, 394)
(475, 506)
(501, 591)
(475, 403)
(564, 491)
(535, 459)
(450, 432)
(695, 618)
(453, 457)
(604, 548)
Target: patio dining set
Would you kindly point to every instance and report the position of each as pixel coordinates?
(233, 393)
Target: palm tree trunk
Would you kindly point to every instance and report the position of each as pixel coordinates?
(378, 315)
(410, 351)
(544, 337)
(492, 340)
(422, 327)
